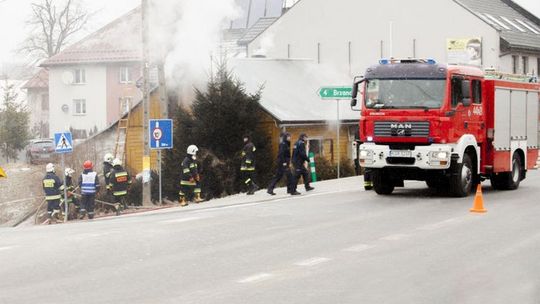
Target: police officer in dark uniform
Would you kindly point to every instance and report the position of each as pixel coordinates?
(53, 187)
(189, 183)
(247, 167)
(299, 160)
(119, 182)
(283, 165)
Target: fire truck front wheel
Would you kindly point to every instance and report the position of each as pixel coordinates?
(382, 182)
(461, 180)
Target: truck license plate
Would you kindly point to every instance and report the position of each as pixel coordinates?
(400, 153)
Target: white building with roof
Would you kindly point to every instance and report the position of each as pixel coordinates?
(353, 35)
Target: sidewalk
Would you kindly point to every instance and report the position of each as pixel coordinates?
(354, 183)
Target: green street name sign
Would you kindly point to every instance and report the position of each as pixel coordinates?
(335, 92)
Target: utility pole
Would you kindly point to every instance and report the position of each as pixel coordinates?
(146, 191)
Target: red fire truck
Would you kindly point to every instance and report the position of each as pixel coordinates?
(451, 126)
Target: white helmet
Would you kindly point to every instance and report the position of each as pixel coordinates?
(116, 162)
(108, 158)
(49, 167)
(69, 171)
(192, 150)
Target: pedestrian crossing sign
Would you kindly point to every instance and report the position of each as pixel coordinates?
(63, 142)
(2, 173)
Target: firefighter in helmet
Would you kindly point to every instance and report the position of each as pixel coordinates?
(107, 167)
(119, 182)
(89, 184)
(247, 166)
(71, 200)
(53, 187)
(189, 183)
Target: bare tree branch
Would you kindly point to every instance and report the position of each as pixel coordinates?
(53, 23)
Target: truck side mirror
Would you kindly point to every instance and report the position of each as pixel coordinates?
(354, 94)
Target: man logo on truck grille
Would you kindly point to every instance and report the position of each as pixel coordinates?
(401, 129)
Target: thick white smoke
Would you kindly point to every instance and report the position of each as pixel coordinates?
(187, 33)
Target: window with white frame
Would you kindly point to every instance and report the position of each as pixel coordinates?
(79, 106)
(125, 104)
(124, 75)
(525, 60)
(79, 76)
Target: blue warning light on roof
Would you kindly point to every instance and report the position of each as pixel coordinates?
(431, 61)
(384, 61)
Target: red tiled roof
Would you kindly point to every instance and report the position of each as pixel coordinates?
(39, 81)
(119, 41)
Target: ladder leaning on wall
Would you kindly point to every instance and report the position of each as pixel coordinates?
(122, 131)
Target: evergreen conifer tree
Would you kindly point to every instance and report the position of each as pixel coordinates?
(217, 121)
(14, 122)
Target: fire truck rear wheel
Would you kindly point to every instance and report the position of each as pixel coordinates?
(509, 180)
(462, 177)
(382, 183)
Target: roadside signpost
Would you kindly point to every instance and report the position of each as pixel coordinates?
(63, 144)
(161, 137)
(336, 93)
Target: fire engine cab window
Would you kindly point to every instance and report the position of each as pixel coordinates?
(457, 94)
(405, 93)
(476, 91)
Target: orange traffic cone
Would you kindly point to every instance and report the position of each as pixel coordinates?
(478, 205)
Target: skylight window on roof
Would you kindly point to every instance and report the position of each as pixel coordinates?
(486, 19)
(532, 29)
(519, 28)
(497, 21)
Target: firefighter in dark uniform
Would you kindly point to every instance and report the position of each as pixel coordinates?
(189, 184)
(89, 184)
(53, 187)
(283, 165)
(247, 165)
(300, 160)
(107, 167)
(73, 203)
(118, 183)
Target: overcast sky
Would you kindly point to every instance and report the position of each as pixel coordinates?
(13, 14)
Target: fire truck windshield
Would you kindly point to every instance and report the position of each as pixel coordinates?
(405, 93)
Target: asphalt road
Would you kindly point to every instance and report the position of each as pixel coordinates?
(337, 244)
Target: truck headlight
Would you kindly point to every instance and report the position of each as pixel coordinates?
(438, 158)
(366, 156)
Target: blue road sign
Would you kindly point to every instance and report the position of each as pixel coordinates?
(63, 142)
(161, 133)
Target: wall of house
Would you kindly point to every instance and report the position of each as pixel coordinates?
(134, 142)
(506, 63)
(39, 116)
(325, 132)
(352, 35)
(62, 92)
(117, 90)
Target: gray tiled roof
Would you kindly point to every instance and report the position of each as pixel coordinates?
(260, 26)
(508, 18)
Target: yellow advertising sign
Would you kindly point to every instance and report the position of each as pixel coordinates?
(2, 173)
(464, 51)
